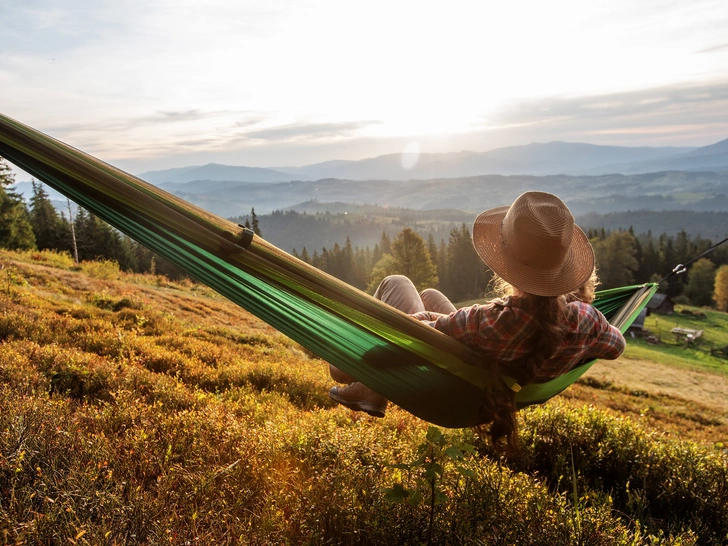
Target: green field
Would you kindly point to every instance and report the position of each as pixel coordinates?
(136, 410)
(674, 351)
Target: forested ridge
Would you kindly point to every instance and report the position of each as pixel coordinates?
(432, 248)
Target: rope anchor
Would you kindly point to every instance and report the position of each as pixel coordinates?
(682, 268)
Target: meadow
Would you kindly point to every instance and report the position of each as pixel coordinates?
(136, 410)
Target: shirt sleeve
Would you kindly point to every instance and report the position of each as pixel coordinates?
(462, 324)
(609, 343)
(427, 316)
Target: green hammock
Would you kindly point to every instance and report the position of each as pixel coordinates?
(418, 368)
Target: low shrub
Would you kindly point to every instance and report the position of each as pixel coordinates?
(668, 485)
(61, 259)
(101, 269)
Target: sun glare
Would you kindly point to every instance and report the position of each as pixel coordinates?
(410, 156)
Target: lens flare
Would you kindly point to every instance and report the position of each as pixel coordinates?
(410, 156)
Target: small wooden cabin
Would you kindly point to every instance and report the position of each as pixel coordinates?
(661, 304)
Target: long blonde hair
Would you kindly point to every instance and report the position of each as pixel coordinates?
(499, 406)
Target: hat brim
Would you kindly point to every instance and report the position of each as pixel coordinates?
(573, 272)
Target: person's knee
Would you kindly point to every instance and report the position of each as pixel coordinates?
(434, 300)
(395, 280)
(431, 297)
(431, 293)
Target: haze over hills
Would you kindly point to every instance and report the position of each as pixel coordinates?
(215, 172)
(676, 190)
(696, 191)
(707, 158)
(533, 159)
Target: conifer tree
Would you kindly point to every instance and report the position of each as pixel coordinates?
(466, 274)
(44, 219)
(254, 224)
(98, 240)
(669, 259)
(615, 259)
(410, 258)
(16, 231)
(383, 247)
(7, 178)
(361, 266)
(442, 265)
(649, 261)
(432, 249)
(345, 262)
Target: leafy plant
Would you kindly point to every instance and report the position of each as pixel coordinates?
(427, 481)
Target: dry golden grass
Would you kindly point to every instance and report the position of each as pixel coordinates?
(135, 410)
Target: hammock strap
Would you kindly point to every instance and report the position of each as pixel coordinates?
(682, 268)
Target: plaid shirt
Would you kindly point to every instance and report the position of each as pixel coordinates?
(499, 328)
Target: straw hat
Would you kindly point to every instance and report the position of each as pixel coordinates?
(534, 245)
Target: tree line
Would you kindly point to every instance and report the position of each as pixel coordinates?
(38, 225)
(453, 266)
(625, 258)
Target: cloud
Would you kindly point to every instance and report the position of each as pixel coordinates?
(170, 133)
(668, 112)
(296, 131)
(109, 128)
(187, 115)
(712, 49)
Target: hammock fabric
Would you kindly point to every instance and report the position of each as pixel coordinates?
(418, 368)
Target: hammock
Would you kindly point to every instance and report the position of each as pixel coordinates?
(427, 373)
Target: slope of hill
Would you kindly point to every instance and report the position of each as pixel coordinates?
(138, 411)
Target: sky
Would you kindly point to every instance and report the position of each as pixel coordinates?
(155, 84)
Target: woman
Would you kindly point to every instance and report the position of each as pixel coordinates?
(541, 330)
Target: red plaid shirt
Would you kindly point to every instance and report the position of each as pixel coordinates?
(501, 329)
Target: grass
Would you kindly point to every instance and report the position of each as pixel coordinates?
(134, 410)
(670, 350)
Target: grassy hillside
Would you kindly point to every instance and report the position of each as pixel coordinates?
(134, 410)
(673, 349)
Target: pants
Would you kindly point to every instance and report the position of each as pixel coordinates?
(399, 292)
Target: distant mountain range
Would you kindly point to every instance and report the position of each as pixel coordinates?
(695, 191)
(536, 159)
